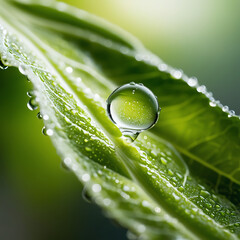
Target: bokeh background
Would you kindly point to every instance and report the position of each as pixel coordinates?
(41, 200)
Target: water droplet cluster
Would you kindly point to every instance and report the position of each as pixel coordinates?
(189, 196)
(133, 108)
(191, 81)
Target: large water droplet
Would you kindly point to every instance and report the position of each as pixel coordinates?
(133, 108)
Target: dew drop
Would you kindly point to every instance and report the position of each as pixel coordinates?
(86, 177)
(47, 132)
(22, 69)
(181, 188)
(86, 195)
(157, 209)
(133, 108)
(32, 104)
(192, 82)
(163, 161)
(106, 201)
(30, 94)
(201, 89)
(141, 228)
(69, 69)
(145, 203)
(170, 172)
(204, 193)
(96, 188)
(231, 113)
(64, 166)
(39, 115)
(177, 74)
(212, 104)
(177, 198)
(2, 65)
(67, 161)
(88, 149)
(225, 109)
(162, 67)
(45, 117)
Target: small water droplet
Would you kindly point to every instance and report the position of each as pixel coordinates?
(163, 161)
(176, 197)
(39, 115)
(22, 69)
(88, 149)
(225, 108)
(86, 195)
(157, 209)
(64, 166)
(32, 104)
(145, 203)
(30, 94)
(204, 193)
(85, 177)
(177, 74)
(209, 94)
(170, 172)
(47, 132)
(106, 201)
(202, 89)
(67, 161)
(162, 67)
(69, 69)
(212, 104)
(141, 228)
(2, 65)
(231, 113)
(74, 111)
(45, 117)
(192, 82)
(126, 188)
(96, 188)
(133, 108)
(181, 188)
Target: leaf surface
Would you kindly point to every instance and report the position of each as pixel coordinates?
(179, 180)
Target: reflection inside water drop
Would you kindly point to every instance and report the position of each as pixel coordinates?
(133, 108)
(39, 115)
(32, 104)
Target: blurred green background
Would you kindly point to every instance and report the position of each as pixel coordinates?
(41, 200)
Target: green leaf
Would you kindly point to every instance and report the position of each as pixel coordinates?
(179, 180)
